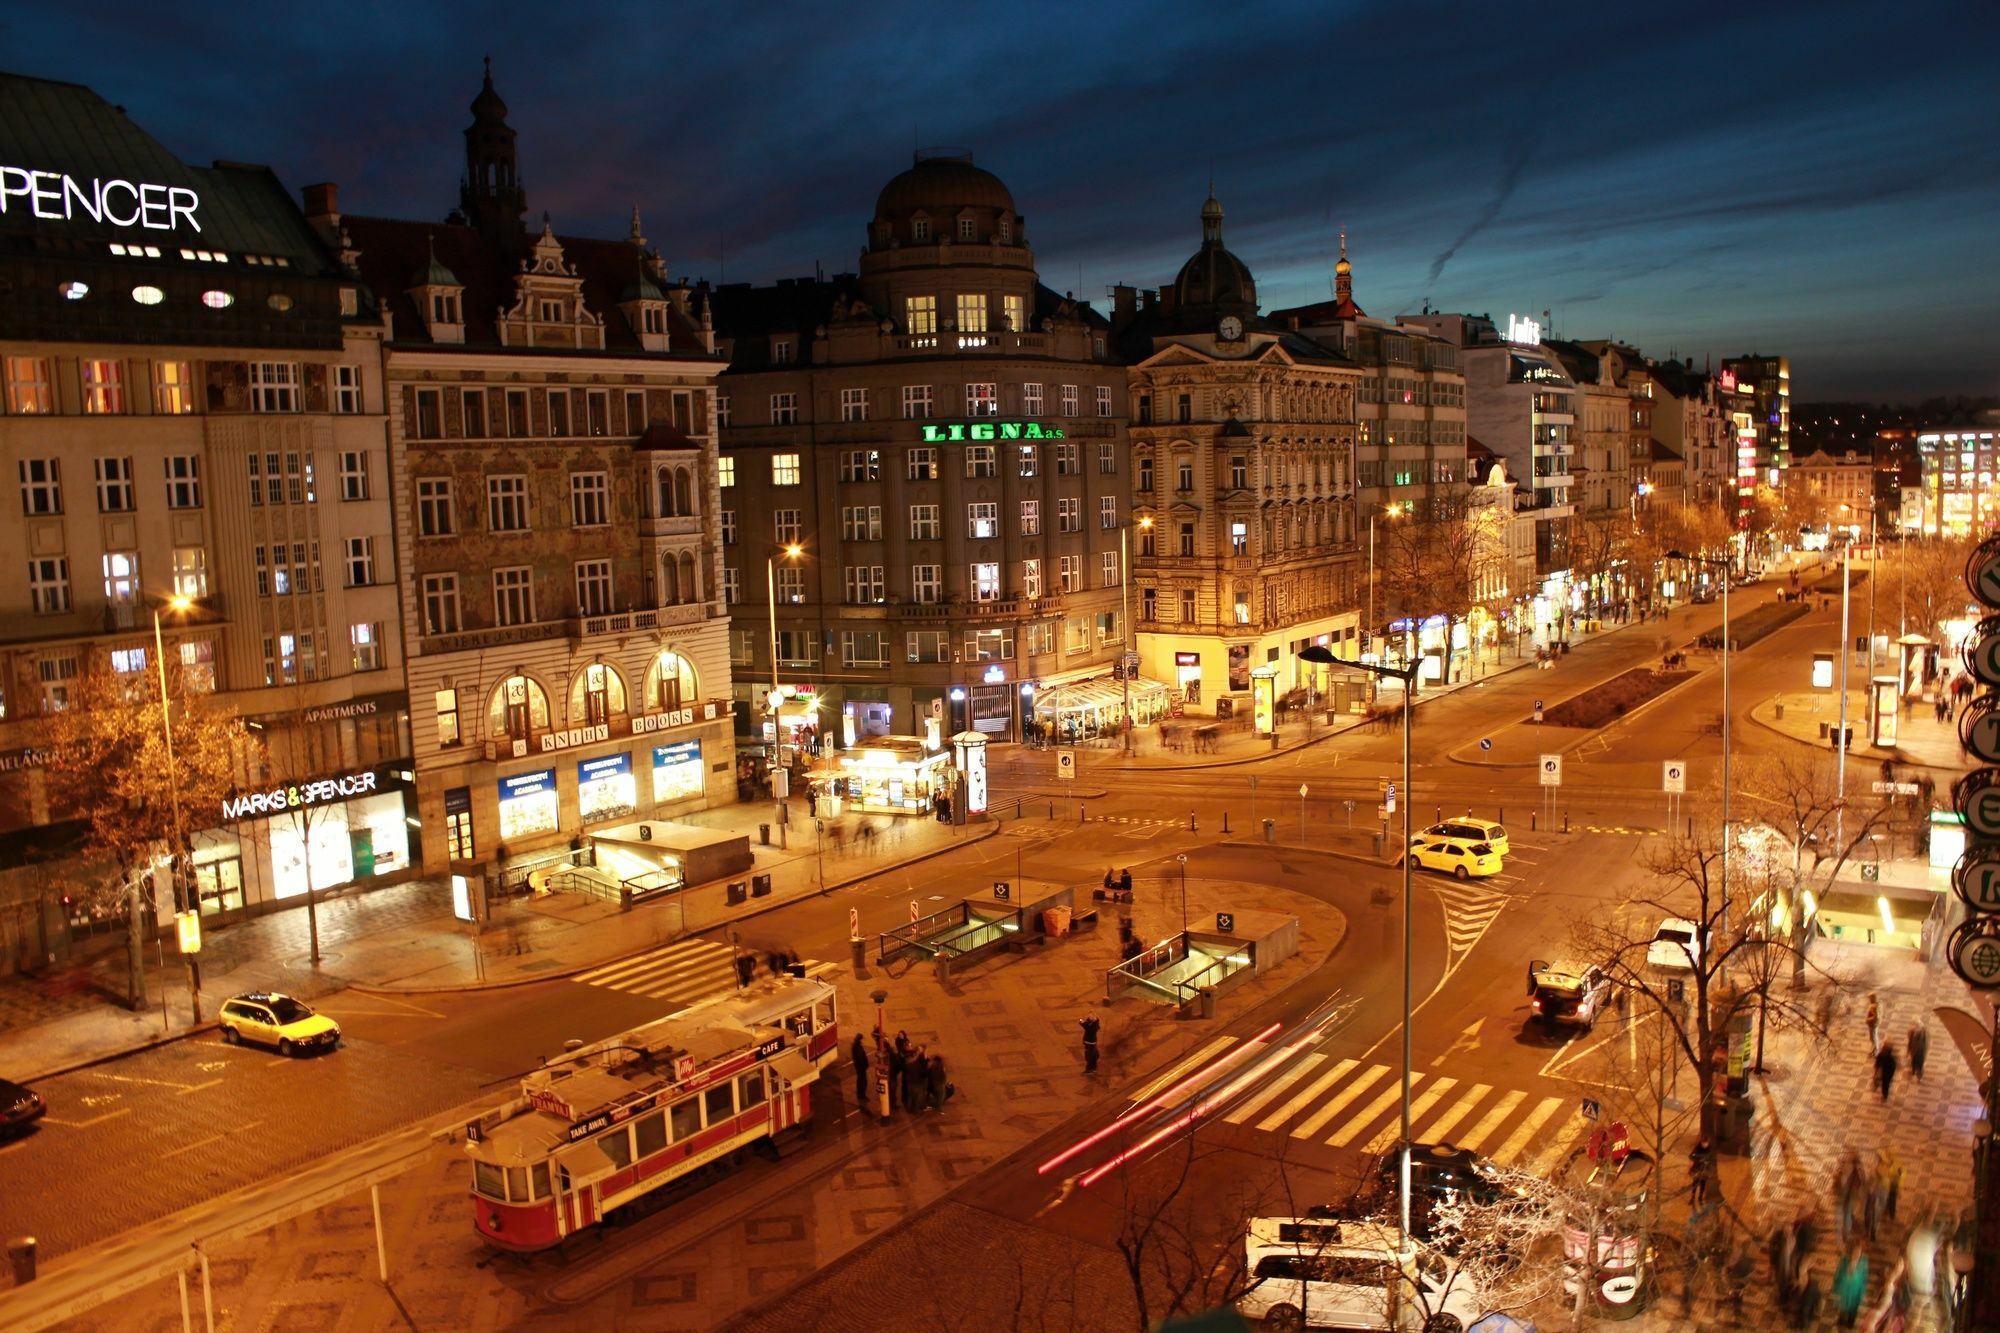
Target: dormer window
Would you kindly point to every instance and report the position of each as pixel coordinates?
(653, 319)
(552, 312)
(781, 352)
(444, 308)
(1006, 229)
(965, 229)
(920, 229)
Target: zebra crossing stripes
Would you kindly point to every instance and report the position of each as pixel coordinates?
(1305, 1098)
(1419, 1108)
(1440, 1129)
(1324, 1116)
(1494, 1119)
(1250, 1106)
(1392, 1094)
(679, 973)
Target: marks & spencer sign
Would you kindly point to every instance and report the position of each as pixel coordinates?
(299, 795)
(958, 432)
(55, 196)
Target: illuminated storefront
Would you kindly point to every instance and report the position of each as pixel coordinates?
(529, 804)
(274, 843)
(677, 771)
(605, 789)
(897, 775)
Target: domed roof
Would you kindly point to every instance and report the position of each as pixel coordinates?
(1212, 276)
(487, 105)
(943, 184)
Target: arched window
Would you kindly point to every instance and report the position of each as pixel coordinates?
(683, 493)
(670, 682)
(690, 589)
(519, 709)
(597, 692)
(664, 481)
(670, 582)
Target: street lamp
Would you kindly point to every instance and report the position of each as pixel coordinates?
(792, 551)
(1127, 657)
(179, 605)
(1320, 655)
(1726, 566)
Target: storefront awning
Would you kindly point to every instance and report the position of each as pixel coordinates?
(1096, 695)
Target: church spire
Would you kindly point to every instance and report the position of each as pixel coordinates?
(1343, 274)
(1211, 218)
(491, 196)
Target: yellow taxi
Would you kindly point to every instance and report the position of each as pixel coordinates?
(271, 1019)
(1456, 856)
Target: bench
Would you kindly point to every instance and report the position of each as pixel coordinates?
(1086, 918)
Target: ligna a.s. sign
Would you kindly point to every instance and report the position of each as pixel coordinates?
(991, 430)
(56, 196)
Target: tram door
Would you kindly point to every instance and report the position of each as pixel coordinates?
(575, 1203)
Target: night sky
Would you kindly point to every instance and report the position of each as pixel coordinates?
(1816, 180)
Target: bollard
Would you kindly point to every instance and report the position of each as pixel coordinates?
(1503, 816)
(1565, 821)
(1191, 827)
(1052, 809)
(1079, 814)
(1533, 820)
(1438, 818)
(1225, 821)
(21, 1253)
(1270, 830)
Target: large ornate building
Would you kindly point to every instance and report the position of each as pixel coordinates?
(193, 400)
(1243, 444)
(941, 440)
(552, 472)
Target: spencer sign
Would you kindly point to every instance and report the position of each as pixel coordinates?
(299, 795)
(56, 196)
(991, 430)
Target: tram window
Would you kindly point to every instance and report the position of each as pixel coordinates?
(751, 1087)
(517, 1184)
(651, 1133)
(617, 1145)
(823, 1015)
(538, 1175)
(687, 1118)
(487, 1180)
(800, 1024)
(718, 1104)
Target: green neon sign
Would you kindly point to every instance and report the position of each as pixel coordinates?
(991, 430)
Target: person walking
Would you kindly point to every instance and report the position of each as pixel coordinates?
(1918, 1044)
(899, 1070)
(1874, 1023)
(917, 1081)
(1700, 1162)
(1891, 1170)
(1850, 1283)
(940, 1086)
(1885, 1068)
(1090, 1025)
(1125, 881)
(859, 1054)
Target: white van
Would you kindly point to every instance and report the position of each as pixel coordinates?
(1313, 1273)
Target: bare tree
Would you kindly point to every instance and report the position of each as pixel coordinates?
(1181, 1246)
(1930, 583)
(1434, 560)
(1599, 545)
(108, 765)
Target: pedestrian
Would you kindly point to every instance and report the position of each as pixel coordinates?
(1125, 881)
(1850, 1283)
(746, 968)
(859, 1054)
(903, 1044)
(938, 1083)
(1847, 1194)
(1089, 1024)
(1110, 880)
(1874, 1023)
(1891, 1172)
(1805, 1307)
(1918, 1044)
(1699, 1162)
(1780, 1246)
(899, 1070)
(1885, 1068)
(918, 1083)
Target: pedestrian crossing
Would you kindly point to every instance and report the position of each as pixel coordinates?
(1347, 1104)
(680, 973)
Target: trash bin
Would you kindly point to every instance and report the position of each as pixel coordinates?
(1732, 1126)
(760, 886)
(764, 835)
(739, 890)
(859, 948)
(21, 1253)
(1208, 1002)
(1778, 712)
(1270, 830)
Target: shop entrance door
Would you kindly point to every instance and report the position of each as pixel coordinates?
(219, 885)
(362, 846)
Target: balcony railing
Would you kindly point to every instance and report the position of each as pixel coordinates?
(626, 622)
(683, 525)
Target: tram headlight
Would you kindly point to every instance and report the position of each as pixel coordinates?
(493, 1220)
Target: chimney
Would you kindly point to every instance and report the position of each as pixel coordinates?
(1124, 301)
(322, 209)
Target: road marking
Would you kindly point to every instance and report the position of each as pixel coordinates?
(213, 1138)
(86, 1124)
(1257, 1103)
(1173, 1074)
(1351, 1131)
(1528, 1128)
(1493, 1120)
(686, 951)
(1418, 1108)
(1457, 1111)
(197, 1087)
(133, 1078)
(400, 1009)
(1304, 1099)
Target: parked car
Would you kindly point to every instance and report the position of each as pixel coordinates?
(1567, 994)
(271, 1019)
(1676, 946)
(1456, 856)
(1703, 595)
(1318, 1273)
(1440, 1173)
(1472, 830)
(20, 1107)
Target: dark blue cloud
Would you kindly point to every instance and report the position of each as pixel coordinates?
(1811, 178)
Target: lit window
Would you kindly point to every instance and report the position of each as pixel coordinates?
(785, 468)
(74, 290)
(216, 300)
(148, 295)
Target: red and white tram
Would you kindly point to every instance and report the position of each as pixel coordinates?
(629, 1114)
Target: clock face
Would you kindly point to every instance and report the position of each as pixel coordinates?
(1231, 328)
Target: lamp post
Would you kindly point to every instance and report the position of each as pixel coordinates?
(1127, 656)
(178, 605)
(1318, 654)
(791, 552)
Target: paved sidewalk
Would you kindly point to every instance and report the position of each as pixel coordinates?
(1815, 1102)
(405, 938)
(1922, 740)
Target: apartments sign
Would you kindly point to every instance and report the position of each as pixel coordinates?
(55, 196)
